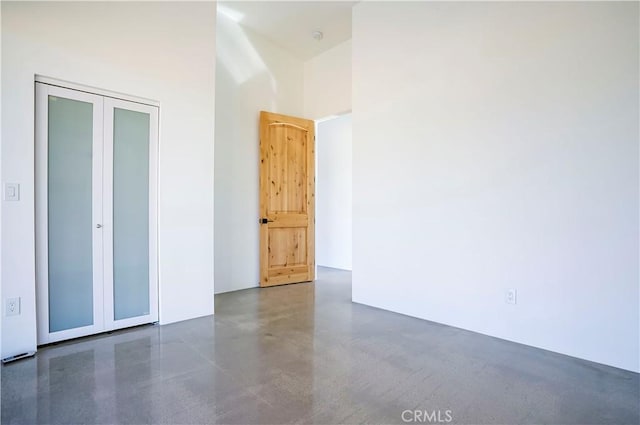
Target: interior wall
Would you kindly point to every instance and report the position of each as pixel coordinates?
(327, 83)
(159, 50)
(1, 189)
(495, 146)
(252, 75)
(333, 193)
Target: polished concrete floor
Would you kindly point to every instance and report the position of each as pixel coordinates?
(305, 354)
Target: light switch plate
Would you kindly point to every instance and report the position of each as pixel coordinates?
(11, 192)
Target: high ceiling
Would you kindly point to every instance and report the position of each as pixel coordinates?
(290, 24)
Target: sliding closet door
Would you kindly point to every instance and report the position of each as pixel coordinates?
(96, 196)
(69, 237)
(130, 245)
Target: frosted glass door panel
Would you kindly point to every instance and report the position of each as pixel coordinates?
(69, 164)
(130, 213)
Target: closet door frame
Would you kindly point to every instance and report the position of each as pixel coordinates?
(101, 208)
(43, 92)
(110, 104)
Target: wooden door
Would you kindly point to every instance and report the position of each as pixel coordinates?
(287, 199)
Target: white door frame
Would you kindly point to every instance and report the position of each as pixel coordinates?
(102, 212)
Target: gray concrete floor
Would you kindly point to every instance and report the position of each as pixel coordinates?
(305, 354)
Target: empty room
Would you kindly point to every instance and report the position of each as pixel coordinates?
(329, 212)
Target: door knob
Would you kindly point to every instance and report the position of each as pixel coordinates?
(98, 226)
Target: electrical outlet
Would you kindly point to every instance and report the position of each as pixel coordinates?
(12, 307)
(511, 296)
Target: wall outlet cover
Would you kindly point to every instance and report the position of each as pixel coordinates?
(12, 307)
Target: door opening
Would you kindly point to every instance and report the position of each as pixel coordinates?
(333, 192)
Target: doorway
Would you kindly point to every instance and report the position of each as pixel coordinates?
(96, 213)
(333, 192)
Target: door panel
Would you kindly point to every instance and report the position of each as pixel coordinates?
(130, 213)
(68, 207)
(287, 198)
(288, 240)
(130, 135)
(287, 167)
(70, 221)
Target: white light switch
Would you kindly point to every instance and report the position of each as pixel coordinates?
(12, 191)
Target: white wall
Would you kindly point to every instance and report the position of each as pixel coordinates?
(496, 146)
(163, 51)
(333, 193)
(1, 298)
(252, 75)
(327, 82)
